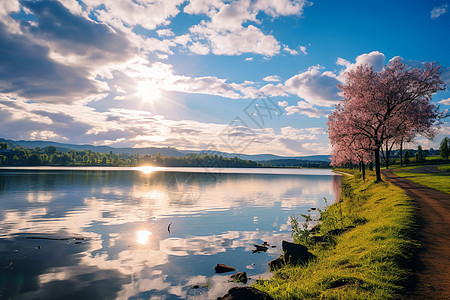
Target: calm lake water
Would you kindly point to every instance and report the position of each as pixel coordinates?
(103, 233)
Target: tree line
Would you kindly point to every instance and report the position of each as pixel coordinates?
(50, 156)
(383, 110)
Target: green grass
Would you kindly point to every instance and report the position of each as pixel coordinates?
(436, 181)
(365, 262)
(445, 168)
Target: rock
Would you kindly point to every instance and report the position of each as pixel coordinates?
(221, 268)
(245, 293)
(239, 277)
(296, 253)
(276, 263)
(293, 254)
(261, 247)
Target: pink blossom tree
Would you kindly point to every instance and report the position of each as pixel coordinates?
(384, 106)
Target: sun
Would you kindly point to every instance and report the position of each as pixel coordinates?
(148, 91)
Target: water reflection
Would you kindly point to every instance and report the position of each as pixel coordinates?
(143, 236)
(104, 234)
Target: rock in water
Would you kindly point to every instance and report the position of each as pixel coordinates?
(240, 277)
(245, 293)
(221, 268)
(261, 247)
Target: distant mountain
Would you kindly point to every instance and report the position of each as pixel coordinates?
(167, 151)
(265, 157)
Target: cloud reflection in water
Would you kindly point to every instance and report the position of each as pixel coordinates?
(127, 250)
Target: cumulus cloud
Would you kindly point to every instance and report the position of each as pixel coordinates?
(275, 78)
(241, 40)
(438, 11)
(22, 63)
(228, 31)
(148, 14)
(373, 59)
(315, 87)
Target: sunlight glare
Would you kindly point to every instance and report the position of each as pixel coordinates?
(149, 169)
(148, 91)
(143, 236)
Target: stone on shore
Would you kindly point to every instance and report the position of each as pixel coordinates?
(240, 277)
(292, 254)
(245, 293)
(296, 253)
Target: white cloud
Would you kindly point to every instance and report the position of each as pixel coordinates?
(445, 101)
(249, 59)
(303, 49)
(197, 7)
(228, 31)
(306, 109)
(374, 59)
(165, 32)
(315, 87)
(283, 103)
(274, 90)
(127, 127)
(148, 14)
(274, 78)
(289, 50)
(437, 11)
(276, 8)
(199, 48)
(241, 40)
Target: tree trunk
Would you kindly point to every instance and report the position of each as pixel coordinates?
(377, 164)
(401, 152)
(363, 170)
(387, 155)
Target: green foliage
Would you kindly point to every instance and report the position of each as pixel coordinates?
(420, 155)
(50, 156)
(365, 260)
(444, 148)
(407, 156)
(300, 232)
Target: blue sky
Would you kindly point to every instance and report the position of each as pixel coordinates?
(255, 76)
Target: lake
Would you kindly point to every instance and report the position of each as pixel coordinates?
(145, 233)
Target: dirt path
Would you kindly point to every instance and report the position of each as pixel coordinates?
(431, 278)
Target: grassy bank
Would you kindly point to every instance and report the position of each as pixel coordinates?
(436, 181)
(367, 260)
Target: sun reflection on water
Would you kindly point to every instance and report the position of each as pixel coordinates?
(149, 169)
(143, 236)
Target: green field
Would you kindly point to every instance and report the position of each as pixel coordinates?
(365, 262)
(438, 181)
